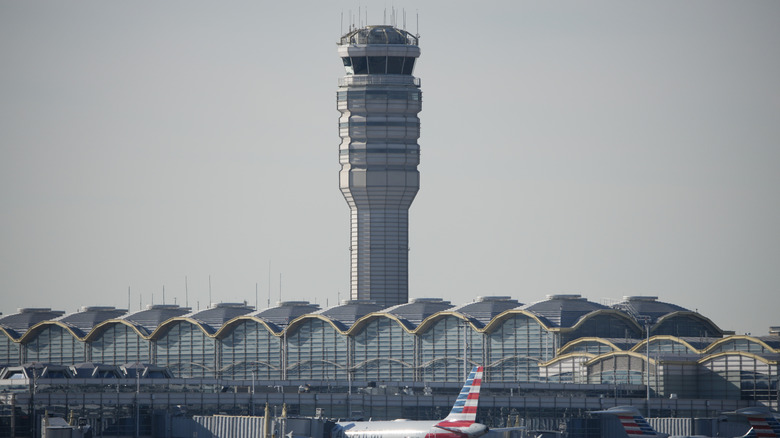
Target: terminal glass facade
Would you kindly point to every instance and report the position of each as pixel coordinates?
(384, 351)
(316, 350)
(442, 348)
(187, 351)
(251, 347)
(516, 347)
(56, 345)
(120, 344)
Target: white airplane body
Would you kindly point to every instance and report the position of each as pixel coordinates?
(460, 423)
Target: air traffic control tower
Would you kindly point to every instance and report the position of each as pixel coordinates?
(379, 100)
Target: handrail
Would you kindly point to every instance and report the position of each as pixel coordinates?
(358, 80)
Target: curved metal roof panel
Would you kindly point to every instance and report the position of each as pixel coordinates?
(350, 311)
(415, 311)
(638, 306)
(484, 309)
(89, 316)
(218, 314)
(154, 315)
(563, 310)
(18, 323)
(285, 312)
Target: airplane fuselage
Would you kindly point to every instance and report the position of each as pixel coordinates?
(394, 429)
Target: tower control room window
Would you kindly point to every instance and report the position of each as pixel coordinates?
(348, 65)
(408, 66)
(377, 65)
(359, 65)
(395, 65)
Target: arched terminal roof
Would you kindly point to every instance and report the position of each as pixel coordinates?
(82, 322)
(647, 306)
(155, 314)
(17, 324)
(213, 318)
(381, 34)
(349, 311)
(563, 310)
(417, 310)
(484, 309)
(285, 312)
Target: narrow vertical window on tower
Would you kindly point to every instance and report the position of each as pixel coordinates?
(379, 128)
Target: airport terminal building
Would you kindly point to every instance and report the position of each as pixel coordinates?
(561, 355)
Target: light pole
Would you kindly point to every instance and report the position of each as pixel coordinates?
(646, 320)
(252, 396)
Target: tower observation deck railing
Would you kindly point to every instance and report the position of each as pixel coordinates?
(361, 80)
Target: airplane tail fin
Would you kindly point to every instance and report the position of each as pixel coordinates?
(465, 407)
(763, 422)
(632, 421)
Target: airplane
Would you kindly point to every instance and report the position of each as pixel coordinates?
(763, 423)
(460, 423)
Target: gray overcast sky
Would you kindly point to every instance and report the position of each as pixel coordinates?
(603, 148)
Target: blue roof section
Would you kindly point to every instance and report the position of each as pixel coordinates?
(154, 315)
(349, 311)
(285, 312)
(18, 323)
(641, 306)
(484, 309)
(218, 314)
(563, 310)
(88, 317)
(415, 311)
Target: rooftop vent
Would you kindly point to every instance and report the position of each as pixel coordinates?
(428, 300)
(356, 302)
(162, 306)
(292, 303)
(495, 298)
(639, 298)
(96, 308)
(229, 306)
(35, 310)
(565, 297)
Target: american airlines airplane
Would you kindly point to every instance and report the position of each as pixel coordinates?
(460, 423)
(763, 423)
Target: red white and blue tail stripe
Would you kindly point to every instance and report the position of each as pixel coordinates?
(764, 423)
(631, 420)
(636, 425)
(464, 411)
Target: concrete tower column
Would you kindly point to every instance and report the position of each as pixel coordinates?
(379, 100)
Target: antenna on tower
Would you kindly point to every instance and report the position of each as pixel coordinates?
(186, 293)
(384, 16)
(342, 23)
(418, 23)
(404, 12)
